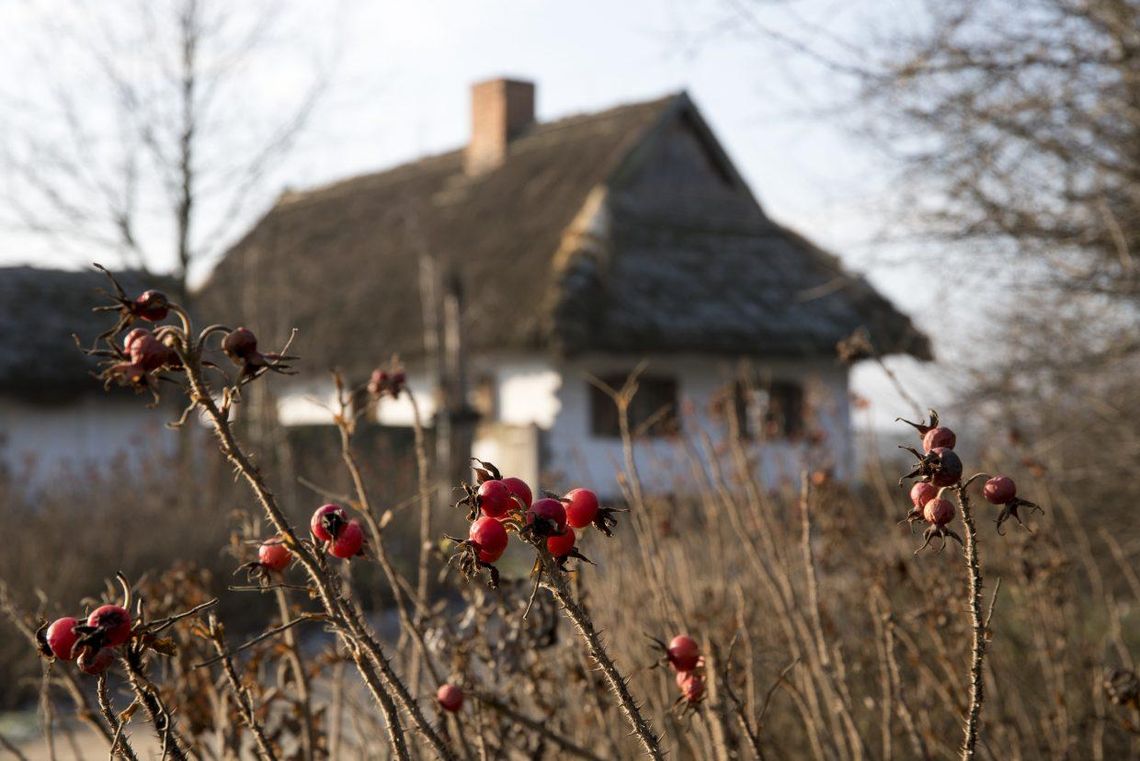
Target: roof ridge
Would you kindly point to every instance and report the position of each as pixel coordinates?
(289, 197)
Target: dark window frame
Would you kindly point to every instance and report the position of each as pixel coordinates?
(653, 412)
(782, 416)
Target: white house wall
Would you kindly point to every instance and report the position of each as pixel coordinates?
(313, 402)
(525, 399)
(527, 391)
(555, 397)
(578, 457)
(525, 394)
(39, 442)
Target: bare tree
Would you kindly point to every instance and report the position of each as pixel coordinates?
(141, 131)
(1013, 131)
(1018, 125)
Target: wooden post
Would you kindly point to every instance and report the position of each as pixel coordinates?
(455, 420)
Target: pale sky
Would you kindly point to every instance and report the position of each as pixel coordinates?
(403, 70)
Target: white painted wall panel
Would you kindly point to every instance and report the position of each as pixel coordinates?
(39, 442)
(555, 397)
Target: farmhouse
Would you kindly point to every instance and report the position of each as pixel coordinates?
(541, 257)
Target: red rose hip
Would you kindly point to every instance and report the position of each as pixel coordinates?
(692, 684)
(327, 522)
(938, 511)
(450, 697)
(547, 517)
(136, 334)
(274, 555)
(114, 621)
(581, 507)
(150, 354)
(61, 638)
(519, 489)
(921, 493)
(348, 542)
(939, 437)
(560, 546)
(495, 499)
(377, 382)
(240, 344)
(999, 490)
(152, 306)
(949, 467)
(489, 539)
(683, 652)
(95, 662)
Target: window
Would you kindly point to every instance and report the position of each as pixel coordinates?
(771, 410)
(653, 411)
(784, 412)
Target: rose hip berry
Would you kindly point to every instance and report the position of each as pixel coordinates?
(61, 638)
(921, 493)
(327, 522)
(939, 437)
(999, 490)
(450, 697)
(95, 662)
(348, 542)
(692, 684)
(152, 306)
(547, 517)
(495, 499)
(938, 511)
(377, 382)
(683, 653)
(519, 489)
(149, 353)
(274, 556)
(948, 469)
(383, 383)
(135, 335)
(240, 344)
(489, 539)
(582, 507)
(560, 546)
(114, 621)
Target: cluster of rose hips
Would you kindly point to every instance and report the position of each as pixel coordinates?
(332, 530)
(684, 655)
(91, 643)
(498, 505)
(143, 354)
(388, 382)
(937, 468)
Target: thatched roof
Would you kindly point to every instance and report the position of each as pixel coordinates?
(40, 310)
(578, 242)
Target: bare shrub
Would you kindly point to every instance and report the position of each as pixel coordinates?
(820, 631)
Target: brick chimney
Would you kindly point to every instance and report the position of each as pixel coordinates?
(500, 110)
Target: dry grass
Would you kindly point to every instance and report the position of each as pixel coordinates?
(856, 649)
